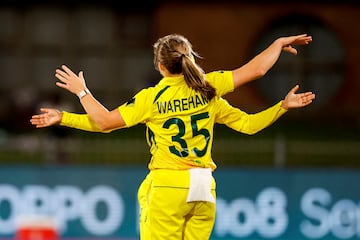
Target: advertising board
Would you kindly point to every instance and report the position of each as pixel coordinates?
(101, 202)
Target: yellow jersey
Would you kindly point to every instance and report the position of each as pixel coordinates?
(180, 121)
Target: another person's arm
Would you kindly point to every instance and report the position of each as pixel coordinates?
(105, 120)
(98, 118)
(263, 62)
(227, 81)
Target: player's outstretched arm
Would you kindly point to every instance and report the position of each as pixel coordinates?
(261, 63)
(263, 119)
(297, 100)
(47, 118)
(51, 116)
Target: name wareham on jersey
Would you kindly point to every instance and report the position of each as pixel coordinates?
(183, 104)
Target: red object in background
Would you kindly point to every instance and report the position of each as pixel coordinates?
(36, 228)
(36, 233)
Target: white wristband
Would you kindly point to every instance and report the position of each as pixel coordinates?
(83, 93)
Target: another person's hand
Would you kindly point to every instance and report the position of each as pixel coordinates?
(289, 42)
(49, 117)
(297, 100)
(69, 80)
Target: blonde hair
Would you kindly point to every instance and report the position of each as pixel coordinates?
(176, 54)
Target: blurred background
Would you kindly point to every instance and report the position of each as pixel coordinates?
(111, 41)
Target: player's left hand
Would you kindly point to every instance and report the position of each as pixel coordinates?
(297, 100)
(48, 117)
(69, 80)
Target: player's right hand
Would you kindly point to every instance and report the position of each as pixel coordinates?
(48, 117)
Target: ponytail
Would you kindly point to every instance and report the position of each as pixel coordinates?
(175, 53)
(195, 78)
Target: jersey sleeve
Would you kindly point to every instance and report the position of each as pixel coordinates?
(244, 122)
(79, 121)
(138, 109)
(222, 81)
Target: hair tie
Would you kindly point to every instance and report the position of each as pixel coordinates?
(183, 55)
